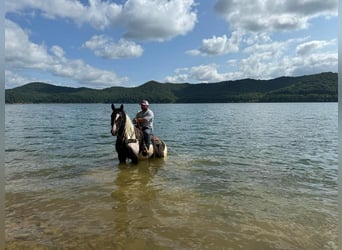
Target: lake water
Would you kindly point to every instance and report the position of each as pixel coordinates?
(238, 176)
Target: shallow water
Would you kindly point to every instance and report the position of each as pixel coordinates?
(238, 176)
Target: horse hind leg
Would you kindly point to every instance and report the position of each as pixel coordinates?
(134, 160)
(165, 150)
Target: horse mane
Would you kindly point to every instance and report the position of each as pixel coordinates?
(129, 128)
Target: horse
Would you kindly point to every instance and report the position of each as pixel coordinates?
(130, 139)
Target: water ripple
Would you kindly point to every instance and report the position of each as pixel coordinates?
(239, 176)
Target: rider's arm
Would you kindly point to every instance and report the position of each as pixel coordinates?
(139, 120)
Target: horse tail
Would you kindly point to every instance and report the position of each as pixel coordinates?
(159, 147)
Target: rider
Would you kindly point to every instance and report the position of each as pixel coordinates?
(144, 120)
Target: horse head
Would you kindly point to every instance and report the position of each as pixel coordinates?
(118, 119)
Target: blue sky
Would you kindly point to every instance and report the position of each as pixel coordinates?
(100, 44)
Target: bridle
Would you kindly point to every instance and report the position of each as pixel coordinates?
(119, 130)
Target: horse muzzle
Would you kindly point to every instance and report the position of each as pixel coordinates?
(114, 132)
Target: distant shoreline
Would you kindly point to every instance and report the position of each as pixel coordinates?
(31, 103)
(321, 87)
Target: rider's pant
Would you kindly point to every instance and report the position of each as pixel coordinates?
(147, 136)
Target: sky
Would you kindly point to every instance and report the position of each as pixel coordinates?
(100, 44)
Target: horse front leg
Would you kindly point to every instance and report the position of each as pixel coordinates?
(122, 158)
(121, 152)
(132, 152)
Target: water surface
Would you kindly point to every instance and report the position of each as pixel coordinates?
(238, 176)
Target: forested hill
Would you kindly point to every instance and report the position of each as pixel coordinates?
(310, 88)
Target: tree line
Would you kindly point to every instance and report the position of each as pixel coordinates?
(309, 88)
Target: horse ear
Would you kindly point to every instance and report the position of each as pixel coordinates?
(113, 107)
(122, 107)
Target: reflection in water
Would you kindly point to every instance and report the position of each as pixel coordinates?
(134, 198)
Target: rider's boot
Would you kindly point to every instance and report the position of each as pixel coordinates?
(144, 150)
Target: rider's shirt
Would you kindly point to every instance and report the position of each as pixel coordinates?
(148, 115)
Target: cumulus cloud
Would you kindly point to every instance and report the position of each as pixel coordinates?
(307, 47)
(206, 73)
(274, 48)
(270, 15)
(311, 7)
(13, 79)
(22, 54)
(201, 73)
(218, 45)
(105, 47)
(251, 23)
(97, 13)
(266, 60)
(276, 58)
(167, 20)
(157, 20)
(317, 62)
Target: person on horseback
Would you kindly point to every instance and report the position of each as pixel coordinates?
(144, 121)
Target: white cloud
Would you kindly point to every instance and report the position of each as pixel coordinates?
(270, 15)
(23, 54)
(251, 23)
(266, 60)
(141, 19)
(97, 13)
(311, 7)
(307, 47)
(57, 51)
(201, 73)
(253, 38)
(157, 20)
(180, 78)
(274, 48)
(20, 52)
(206, 73)
(14, 80)
(104, 47)
(310, 64)
(218, 45)
(274, 59)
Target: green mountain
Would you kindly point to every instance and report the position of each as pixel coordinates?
(310, 88)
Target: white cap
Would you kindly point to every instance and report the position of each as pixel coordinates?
(144, 102)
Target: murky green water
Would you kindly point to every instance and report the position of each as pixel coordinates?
(238, 176)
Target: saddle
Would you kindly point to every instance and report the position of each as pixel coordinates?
(158, 145)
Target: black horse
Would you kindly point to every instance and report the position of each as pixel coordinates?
(130, 139)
